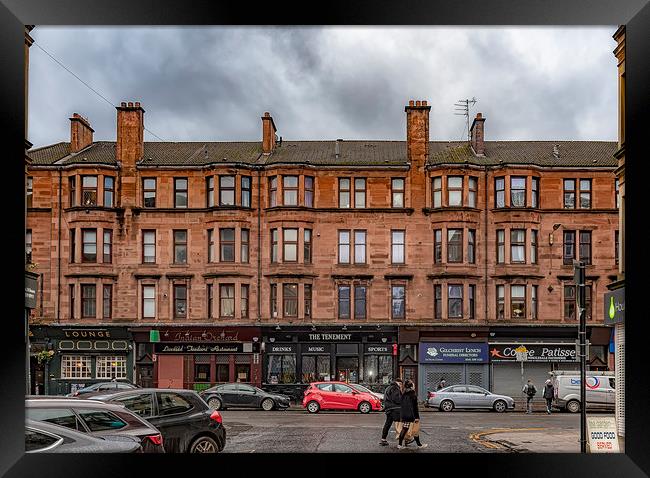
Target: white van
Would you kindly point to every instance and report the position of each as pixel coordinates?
(601, 390)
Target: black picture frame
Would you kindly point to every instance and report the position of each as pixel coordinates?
(635, 14)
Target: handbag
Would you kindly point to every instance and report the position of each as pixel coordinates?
(414, 430)
(398, 429)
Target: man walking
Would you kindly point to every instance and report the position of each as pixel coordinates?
(392, 404)
(530, 391)
(549, 392)
(441, 384)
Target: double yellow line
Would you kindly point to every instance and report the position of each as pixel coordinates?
(478, 437)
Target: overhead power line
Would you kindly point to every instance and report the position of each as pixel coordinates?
(87, 85)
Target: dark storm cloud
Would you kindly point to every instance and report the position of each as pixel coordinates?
(324, 83)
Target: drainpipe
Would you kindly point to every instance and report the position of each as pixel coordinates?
(259, 245)
(485, 241)
(58, 250)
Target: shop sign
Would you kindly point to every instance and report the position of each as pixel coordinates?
(316, 349)
(453, 352)
(378, 349)
(199, 348)
(199, 335)
(87, 333)
(513, 352)
(615, 306)
(30, 292)
(281, 348)
(330, 337)
(602, 435)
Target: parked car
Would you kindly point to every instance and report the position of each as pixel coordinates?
(468, 396)
(240, 395)
(94, 418)
(361, 388)
(44, 437)
(103, 386)
(600, 390)
(187, 423)
(338, 396)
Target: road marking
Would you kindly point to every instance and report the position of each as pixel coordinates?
(478, 437)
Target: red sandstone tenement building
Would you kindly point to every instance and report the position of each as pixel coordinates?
(280, 262)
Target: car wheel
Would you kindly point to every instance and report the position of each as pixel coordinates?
(313, 407)
(500, 406)
(267, 404)
(573, 406)
(447, 406)
(204, 445)
(214, 403)
(365, 407)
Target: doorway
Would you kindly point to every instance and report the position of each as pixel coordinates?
(347, 369)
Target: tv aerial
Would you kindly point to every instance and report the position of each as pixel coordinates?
(462, 108)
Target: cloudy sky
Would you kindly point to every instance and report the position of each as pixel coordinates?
(213, 84)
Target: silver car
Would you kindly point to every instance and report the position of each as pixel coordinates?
(468, 396)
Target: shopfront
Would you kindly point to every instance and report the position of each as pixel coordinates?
(514, 363)
(455, 362)
(75, 357)
(294, 357)
(199, 357)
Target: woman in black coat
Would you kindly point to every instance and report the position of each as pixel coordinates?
(409, 413)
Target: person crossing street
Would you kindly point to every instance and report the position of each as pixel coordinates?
(392, 403)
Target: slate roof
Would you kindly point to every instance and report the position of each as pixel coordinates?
(352, 153)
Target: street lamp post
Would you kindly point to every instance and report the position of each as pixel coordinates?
(579, 279)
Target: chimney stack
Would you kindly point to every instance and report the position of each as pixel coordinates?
(130, 134)
(478, 144)
(81, 134)
(417, 131)
(268, 133)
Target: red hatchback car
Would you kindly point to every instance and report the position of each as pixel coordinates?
(338, 396)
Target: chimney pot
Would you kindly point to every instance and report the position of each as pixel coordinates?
(424, 103)
(130, 104)
(411, 103)
(479, 115)
(418, 103)
(137, 104)
(123, 104)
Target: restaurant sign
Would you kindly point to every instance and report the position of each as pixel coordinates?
(513, 352)
(198, 348)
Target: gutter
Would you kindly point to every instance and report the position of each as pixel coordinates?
(485, 241)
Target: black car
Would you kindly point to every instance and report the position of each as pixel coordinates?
(94, 418)
(239, 395)
(102, 387)
(186, 422)
(44, 437)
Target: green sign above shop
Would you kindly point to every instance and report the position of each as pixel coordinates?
(615, 306)
(154, 336)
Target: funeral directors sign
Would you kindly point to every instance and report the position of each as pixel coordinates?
(453, 352)
(507, 352)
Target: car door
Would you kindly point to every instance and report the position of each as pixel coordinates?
(229, 395)
(611, 392)
(327, 393)
(460, 396)
(478, 398)
(345, 397)
(171, 419)
(247, 396)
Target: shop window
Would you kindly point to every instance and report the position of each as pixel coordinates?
(109, 191)
(309, 191)
(518, 301)
(180, 247)
(378, 369)
(437, 246)
(246, 191)
(455, 301)
(110, 367)
(517, 191)
(281, 369)
(180, 192)
(397, 185)
(290, 299)
(226, 190)
(344, 193)
(454, 245)
(223, 372)
(180, 301)
(243, 371)
(88, 301)
(89, 190)
(436, 188)
(454, 191)
(75, 366)
(149, 192)
(315, 368)
(227, 300)
(347, 370)
(202, 368)
(227, 245)
(290, 190)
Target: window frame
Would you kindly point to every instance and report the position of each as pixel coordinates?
(342, 300)
(500, 301)
(287, 286)
(244, 302)
(246, 191)
(362, 191)
(145, 233)
(519, 190)
(227, 300)
(437, 246)
(290, 189)
(393, 287)
(343, 191)
(287, 243)
(307, 246)
(179, 244)
(145, 299)
(500, 192)
(88, 301)
(471, 246)
(397, 244)
(109, 243)
(586, 258)
(344, 245)
(180, 193)
(569, 303)
(534, 192)
(455, 189)
(472, 192)
(358, 246)
(396, 192)
(85, 257)
(436, 192)
(273, 191)
(224, 244)
(567, 192)
(72, 190)
(209, 191)
(454, 246)
(568, 259)
(309, 191)
(307, 297)
(211, 245)
(89, 189)
(244, 246)
(586, 192)
(471, 296)
(109, 191)
(227, 189)
(178, 300)
(517, 300)
(209, 295)
(275, 246)
(534, 246)
(360, 298)
(501, 246)
(519, 245)
(534, 302)
(437, 301)
(151, 191)
(457, 287)
(273, 300)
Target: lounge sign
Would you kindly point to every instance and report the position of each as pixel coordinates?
(511, 352)
(453, 352)
(615, 306)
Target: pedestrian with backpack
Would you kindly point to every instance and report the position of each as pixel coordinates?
(549, 392)
(530, 391)
(392, 404)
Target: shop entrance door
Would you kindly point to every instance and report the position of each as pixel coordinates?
(347, 369)
(410, 373)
